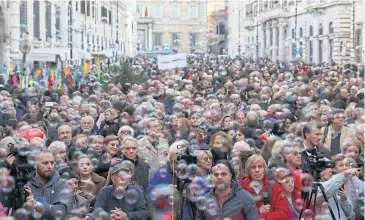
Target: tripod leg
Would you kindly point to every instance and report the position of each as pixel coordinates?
(326, 199)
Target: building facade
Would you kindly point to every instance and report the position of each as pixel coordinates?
(73, 31)
(315, 31)
(172, 24)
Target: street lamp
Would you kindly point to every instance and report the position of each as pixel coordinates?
(25, 45)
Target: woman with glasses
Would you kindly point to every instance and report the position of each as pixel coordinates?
(90, 183)
(257, 183)
(286, 179)
(204, 162)
(59, 152)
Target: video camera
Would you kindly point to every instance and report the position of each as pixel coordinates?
(316, 163)
(22, 172)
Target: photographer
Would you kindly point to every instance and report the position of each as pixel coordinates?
(337, 196)
(353, 186)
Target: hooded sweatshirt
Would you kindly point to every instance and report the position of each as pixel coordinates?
(239, 205)
(56, 194)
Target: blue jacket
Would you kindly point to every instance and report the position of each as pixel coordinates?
(107, 201)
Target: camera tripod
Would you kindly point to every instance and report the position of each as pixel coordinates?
(313, 195)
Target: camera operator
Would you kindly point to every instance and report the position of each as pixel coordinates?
(48, 188)
(353, 186)
(337, 197)
(312, 139)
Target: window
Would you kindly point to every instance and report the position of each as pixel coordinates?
(23, 17)
(311, 31)
(222, 28)
(48, 20)
(104, 12)
(88, 8)
(82, 6)
(110, 17)
(320, 29)
(77, 6)
(69, 12)
(330, 28)
(175, 11)
(301, 32)
(293, 33)
(157, 39)
(58, 24)
(193, 11)
(157, 12)
(175, 39)
(36, 20)
(92, 9)
(193, 39)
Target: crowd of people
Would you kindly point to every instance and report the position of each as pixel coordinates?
(220, 139)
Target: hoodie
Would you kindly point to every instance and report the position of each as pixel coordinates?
(56, 194)
(239, 205)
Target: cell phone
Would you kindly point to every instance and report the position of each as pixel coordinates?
(49, 104)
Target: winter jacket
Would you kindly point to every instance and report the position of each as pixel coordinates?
(162, 176)
(109, 128)
(239, 205)
(279, 207)
(331, 187)
(54, 193)
(140, 174)
(108, 202)
(353, 192)
(99, 183)
(153, 155)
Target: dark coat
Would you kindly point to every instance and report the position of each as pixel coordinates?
(107, 201)
(140, 175)
(109, 128)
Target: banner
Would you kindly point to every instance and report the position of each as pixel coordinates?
(171, 61)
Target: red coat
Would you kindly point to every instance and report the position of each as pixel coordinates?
(279, 208)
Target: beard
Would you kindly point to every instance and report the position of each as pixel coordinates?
(220, 186)
(43, 176)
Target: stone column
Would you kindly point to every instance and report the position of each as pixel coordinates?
(326, 50)
(262, 40)
(150, 36)
(275, 45)
(315, 50)
(15, 29)
(64, 24)
(53, 23)
(268, 35)
(281, 47)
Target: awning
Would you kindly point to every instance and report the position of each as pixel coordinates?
(48, 54)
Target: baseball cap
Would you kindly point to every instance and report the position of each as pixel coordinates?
(119, 167)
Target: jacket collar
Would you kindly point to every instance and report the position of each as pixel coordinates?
(56, 176)
(245, 182)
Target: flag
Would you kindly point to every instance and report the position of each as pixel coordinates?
(59, 82)
(146, 12)
(30, 81)
(74, 76)
(85, 70)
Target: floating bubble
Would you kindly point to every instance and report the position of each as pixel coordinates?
(308, 214)
(251, 142)
(258, 132)
(192, 171)
(163, 172)
(307, 180)
(58, 215)
(106, 78)
(119, 192)
(299, 204)
(131, 196)
(38, 210)
(201, 203)
(95, 162)
(268, 125)
(20, 214)
(65, 175)
(7, 184)
(181, 170)
(65, 196)
(89, 187)
(210, 180)
(28, 206)
(212, 207)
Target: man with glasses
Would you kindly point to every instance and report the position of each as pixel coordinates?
(336, 133)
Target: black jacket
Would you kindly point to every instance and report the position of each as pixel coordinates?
(140, 175)
(305, 158)
(109, 128)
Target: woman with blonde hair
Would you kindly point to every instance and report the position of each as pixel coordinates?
(257, 183)
(221, 139)
(110, 124)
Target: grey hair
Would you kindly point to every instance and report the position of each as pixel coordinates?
(62, 126)
(129, 138)
(87, 117)
(56, 146)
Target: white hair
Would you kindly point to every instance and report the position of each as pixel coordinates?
(56, 146)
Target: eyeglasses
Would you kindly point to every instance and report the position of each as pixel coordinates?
(126, 132)
(295, 153)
